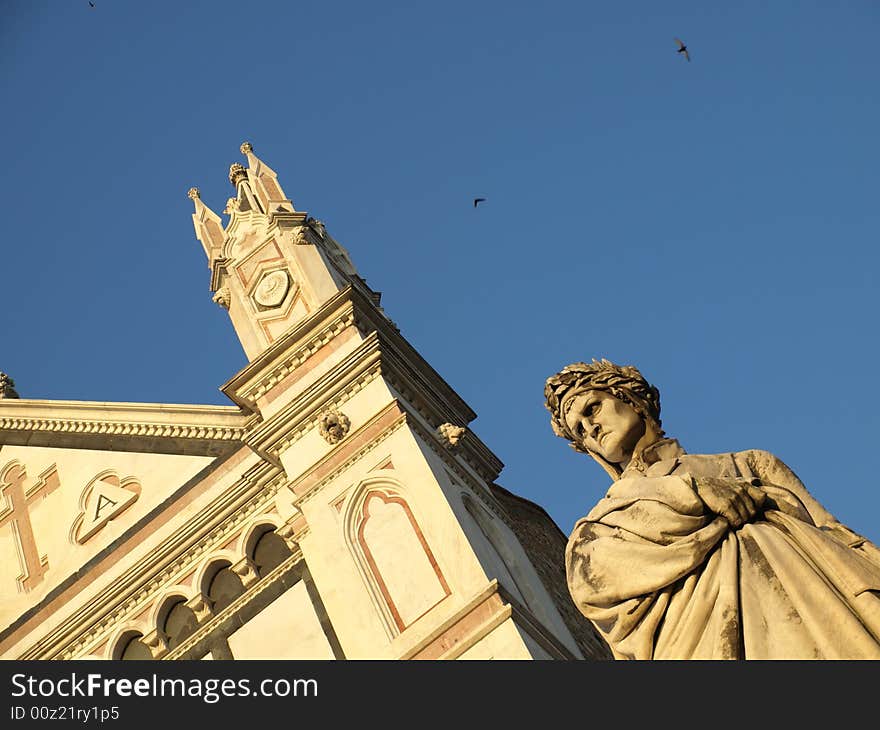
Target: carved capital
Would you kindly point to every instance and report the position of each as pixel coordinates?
(450, 434)
(290, 533)
(201, 607)
(221, 297)
(155, 642)
(247, 571)
(334, 426)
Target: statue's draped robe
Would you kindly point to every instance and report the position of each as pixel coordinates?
(661, 577)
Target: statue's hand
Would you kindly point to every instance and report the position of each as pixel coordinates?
(736, 500)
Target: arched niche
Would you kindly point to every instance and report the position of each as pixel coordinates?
(393, 556)
(130, 647)
(221, 585)
(266, 549)
(177, 622)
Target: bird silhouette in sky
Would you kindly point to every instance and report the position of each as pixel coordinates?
(477, 201)
(91, 4)
(682, 48)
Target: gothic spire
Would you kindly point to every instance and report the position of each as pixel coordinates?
(209, 227)
(265, 183)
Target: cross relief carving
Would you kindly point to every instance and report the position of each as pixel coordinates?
(19, 497)
(105, 497)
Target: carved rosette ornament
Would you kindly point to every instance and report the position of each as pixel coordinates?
(221, 297)
(7, 387)
(333, 426)
(271, 289)
(450, 434)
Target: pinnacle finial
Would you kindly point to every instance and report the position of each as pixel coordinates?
(236, 172)
(246, 147)
(193, 193)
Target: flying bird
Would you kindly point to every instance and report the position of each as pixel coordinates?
(682, 48)
(477, 201)
(91, 4)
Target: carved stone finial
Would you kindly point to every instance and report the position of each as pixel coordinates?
(246, 147)
(7, 387)
(222, 297)
(193, 193)
(237, 171)
(450, 434)
(333, 426)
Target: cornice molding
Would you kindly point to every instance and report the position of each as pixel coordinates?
(480, 489)
(331, 390)
(151, 427)
(288, 353)
(525, 619)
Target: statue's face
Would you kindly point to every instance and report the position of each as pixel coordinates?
(604, 425)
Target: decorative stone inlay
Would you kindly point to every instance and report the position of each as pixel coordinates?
(333, 426)
(221, 297)
(272, 289)
(450, 434)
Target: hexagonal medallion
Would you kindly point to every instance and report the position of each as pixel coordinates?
(272, 289)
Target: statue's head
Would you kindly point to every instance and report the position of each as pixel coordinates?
(603, 410)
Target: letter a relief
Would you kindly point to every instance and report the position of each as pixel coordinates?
(105, 497)
(18, 499)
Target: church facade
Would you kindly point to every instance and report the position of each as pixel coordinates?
(338, 508)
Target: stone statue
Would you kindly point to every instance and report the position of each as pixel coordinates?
(704, 556)
(7, 387)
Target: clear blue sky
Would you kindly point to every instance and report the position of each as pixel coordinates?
(714, 223)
